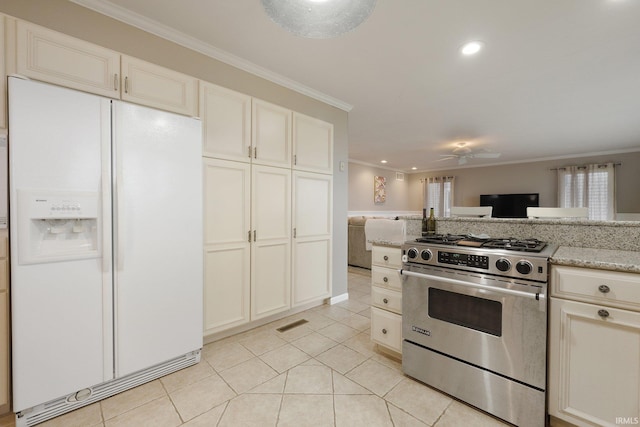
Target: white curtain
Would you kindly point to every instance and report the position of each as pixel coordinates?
(591, 186)
(438, 194)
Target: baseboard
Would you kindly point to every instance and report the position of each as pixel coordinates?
(339, 298)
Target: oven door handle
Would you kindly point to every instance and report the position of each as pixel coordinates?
(537, 296)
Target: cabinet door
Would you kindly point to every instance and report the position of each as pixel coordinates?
(226, 123)
(271, 249)
(4, 353)
(53, 57)
(386, 329)
(271, 134)
(227, 199)
(312, 211)
(594, 373)
(158, 87)
(312, 144)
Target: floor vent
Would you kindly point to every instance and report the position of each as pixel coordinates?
(292, 325)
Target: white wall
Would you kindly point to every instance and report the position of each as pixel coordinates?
(361, 190)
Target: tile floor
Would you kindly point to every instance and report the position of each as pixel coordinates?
(323, 373)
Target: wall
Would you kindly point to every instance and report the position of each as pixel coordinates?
(361, 189)
(77, 21)
(534, 177)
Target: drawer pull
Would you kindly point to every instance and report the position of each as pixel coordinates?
(386, 258)
(603, 313)
(384, 331)
(386, 301)
(385, 279)
(604, 289)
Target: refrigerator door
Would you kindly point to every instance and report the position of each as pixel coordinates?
(157, 236)
(60, 289)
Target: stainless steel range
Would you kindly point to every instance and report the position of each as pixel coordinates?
(474, 321)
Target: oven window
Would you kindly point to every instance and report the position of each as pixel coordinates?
(471, 312)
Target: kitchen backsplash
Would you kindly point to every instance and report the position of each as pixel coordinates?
(617, 235)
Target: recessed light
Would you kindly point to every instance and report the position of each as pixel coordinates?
(414, 168)
(471, 48)
(383, 161)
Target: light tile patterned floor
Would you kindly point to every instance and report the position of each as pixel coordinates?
(323, 373)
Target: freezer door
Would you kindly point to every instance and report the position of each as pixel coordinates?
(61, 296)
(158, 236)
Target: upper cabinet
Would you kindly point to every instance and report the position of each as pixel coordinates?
(271, 134)
(149, 84)
(49, 56)
(46, 55)
(312, 144)
(3, 75)
(226, 123)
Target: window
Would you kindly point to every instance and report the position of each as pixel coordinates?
(438, 194)
(591, 186)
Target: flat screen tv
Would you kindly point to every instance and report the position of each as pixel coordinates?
(510, 205)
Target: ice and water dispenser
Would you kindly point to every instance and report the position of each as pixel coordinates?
(58, 226)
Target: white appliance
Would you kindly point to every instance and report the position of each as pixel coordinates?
(106, 242)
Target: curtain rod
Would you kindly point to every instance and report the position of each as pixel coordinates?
(601, 164)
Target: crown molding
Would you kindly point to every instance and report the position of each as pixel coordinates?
(119, 13)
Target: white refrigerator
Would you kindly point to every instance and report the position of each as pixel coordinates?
(106, 246)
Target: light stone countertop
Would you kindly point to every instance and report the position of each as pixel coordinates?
(602, 259)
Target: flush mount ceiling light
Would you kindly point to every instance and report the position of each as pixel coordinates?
(319, 19)
(471, 48)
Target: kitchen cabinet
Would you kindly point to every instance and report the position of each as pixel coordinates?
(247, 243)
(4, 326)
(158, 87)
(594, 346)
(312, 144)
(312, 236)
(226, 123)
(386, 297)
(46, 55)
(270, 134)
(271, 247)
(227, 246)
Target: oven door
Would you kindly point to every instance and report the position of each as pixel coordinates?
(493, 323)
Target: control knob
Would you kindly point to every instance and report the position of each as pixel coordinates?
(503, 264)
(524, 267)
(412, 253)
(425, 254)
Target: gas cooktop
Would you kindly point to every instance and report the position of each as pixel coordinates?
(511, 244)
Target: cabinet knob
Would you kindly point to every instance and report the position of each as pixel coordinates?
(384, 331)
(386, 301)
(386, 258)
(604, 289)
(385, 279)
(603, 313)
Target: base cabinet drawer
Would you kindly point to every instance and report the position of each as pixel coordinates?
(386, 256)
(385, 277)
(386, 299)
(386, 329)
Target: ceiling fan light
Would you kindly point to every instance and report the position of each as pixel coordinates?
(319, 19)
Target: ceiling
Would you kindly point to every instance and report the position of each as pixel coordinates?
(556, 78)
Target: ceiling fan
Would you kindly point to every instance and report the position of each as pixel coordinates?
(463, 153)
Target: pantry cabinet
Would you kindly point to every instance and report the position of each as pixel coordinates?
(312, 236)
(226, 123)
(594, 346)
(49, 56)
(158, 87)
(4, 326)
(386, 297)
(227, 244)
(271, 134)
(247, 243)
(312, 144)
